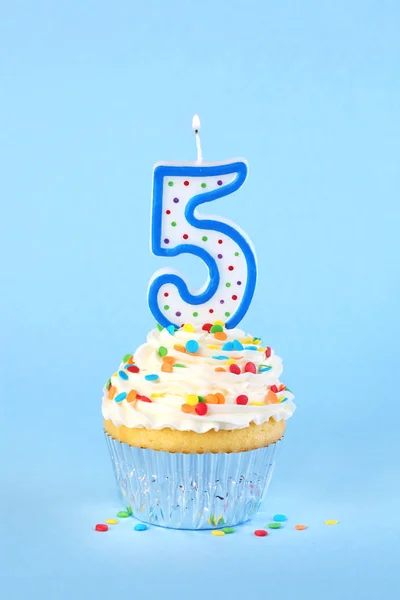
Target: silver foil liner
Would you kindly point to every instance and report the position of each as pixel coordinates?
(191, 491)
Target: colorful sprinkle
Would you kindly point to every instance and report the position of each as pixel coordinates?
(201, 409)
(123, 514)
(131, 396)
(250, 367)
(162, 351)
(220, 357)
(159, 327)
(151, 377)
(220, 398)
(251, 348)
(228, 530)
(264, 368)
(242, 399)
(108, 384)
(192, 399)
(127, 358)
(268, 352)
(280, 518)
(218, 532)
(220, 335)
(142, 398)
(188, 327)
(120, 397)
(123, 375)
(111, 392)
(273, 388)
(207, 327)
(171, 329)
(300, 527)
(331, 522)
(260, 532)
(274, 525)
(170, 183)
(166, 367)
(216, 327)
(180, 365)
(228, 346)
(140, 527)
(195, 314)
(234, 369)
(133, 369)
(166, 307)
(204, 238)
(101, 527)
(186, 408)
(237, 345)
(192, 346)
(112, 521)
(212, 399)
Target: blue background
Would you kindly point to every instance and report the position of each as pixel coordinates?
(92, 94)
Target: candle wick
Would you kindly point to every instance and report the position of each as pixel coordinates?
(196, 129)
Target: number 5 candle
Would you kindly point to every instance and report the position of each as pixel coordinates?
(178, 227)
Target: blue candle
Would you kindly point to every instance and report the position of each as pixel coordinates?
(177, 228)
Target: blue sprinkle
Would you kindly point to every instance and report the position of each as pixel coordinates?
(152, 377)
(220, 357)
(171, 329)
(263, 369)
(123, 375)
(192, 346)
(280, 518)
(140, 527)
(251, 348)
(284, 400)
(227, 346)
(237, 345)
(120, 397)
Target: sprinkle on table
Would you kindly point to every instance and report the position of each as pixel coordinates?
(260, 532)
(228, 530)
(112, 521)
(101, 527)
(331, 522)
(300, 527)
(274, 525)
(218, 532)
(140, 527)
(123, 514)
(280, 518)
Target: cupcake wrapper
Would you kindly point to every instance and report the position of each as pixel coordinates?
(192, 491)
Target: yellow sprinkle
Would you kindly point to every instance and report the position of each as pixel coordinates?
(256, 403)
(115, 374)
(214, 347)
(192, 399)
(220, 518)
(257, 342)
(246, 341)
(219, 323)
(331, 522)
(217, 532)
(231, 361)
(111, 521)
(261, 349)
(188, 327)
(156, 395)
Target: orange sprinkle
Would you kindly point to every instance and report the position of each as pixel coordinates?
(211, 399)
(220, 335)
(166, 367)
(131, 396)
(112, 390)
(168, 359)
(271, 398)
(220, 369)
(221, 398)
(131, 361)
(186, 408)
(179, 348)
(300, 527)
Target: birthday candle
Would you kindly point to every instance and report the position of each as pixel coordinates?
(177, 228)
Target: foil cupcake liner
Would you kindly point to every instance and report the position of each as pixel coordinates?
(192, 491)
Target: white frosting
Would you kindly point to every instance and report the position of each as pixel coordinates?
(169, 392)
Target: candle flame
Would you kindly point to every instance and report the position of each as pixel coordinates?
(196, 123)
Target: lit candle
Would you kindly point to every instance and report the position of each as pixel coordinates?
(177, 228)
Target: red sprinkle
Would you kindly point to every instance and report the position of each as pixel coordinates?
(268, 352)
(185, 236)
(219, 241)
(242, 399)
(261, 532)
(207, 327)
(201, 408)
(282, 387)
(234, 297)
(142, 398)
(234, 369)
(133, 369)
(168, 212)
(211, 310)
(250, 367)
(274, 389)
(101, 527)
(230, 268)
(185, 183)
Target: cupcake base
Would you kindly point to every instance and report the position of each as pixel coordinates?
(188, 490)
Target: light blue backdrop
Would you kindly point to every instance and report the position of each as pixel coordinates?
(92, 94)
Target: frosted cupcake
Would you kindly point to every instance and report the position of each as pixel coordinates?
(193, 420)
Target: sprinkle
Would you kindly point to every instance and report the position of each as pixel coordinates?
(242, 399)
(247, 340)
(273, 388)
(220, 335)
(108, 384)
(123, 375)
(220, 357)
(151, 377)
(280, 518)
(216, 328)
(234, 369)
(192, 399)
(142, 398)
(231, 361)
(101, 527)
(120, 397)
(201, 399)
(140, 527)
(166, 367)
(268, 352)
(251, 348)
(264, 368)
(257, 341)
(260, 532)
(168, 359)
(257, 404)
(127, 358)
(331, 522)
(220, 370)
(123, 514)
(274, 525)
(179, 348)
(112, 391)
(228, 346)
(218, 532)
(179, 365)
(159, 327)
(300, 527)
(211, 347)
(129, 510)
(162, 351)
(192, 346)
(271, 398)
(186, 408)
(220, 398)
(260, 349)
(201, 408)
(188, 327)
(228, 530)
(133, 369)
(112, 521)
(207, 327)
(283, 399)
(237, 345)
(250, 367)
(219, 323)
(171, 329)
(212, 399)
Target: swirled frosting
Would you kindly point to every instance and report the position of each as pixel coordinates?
(197, 379)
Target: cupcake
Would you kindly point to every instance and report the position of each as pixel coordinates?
(193, 420)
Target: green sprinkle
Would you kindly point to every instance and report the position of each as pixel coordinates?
(274, 525)
(108, 384)
(195, 314)
(204, 238)
(203, 185)
(179, 365)
(201, 399)
(166, 307)
(228, 530)
(216, 329)
(170, 183)
(228, 284)
(236, 253)
(159, 327)
(127, 357)
(162, 351)
(173, 223)
(129, 510)
(227, 314)
(123, 514)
